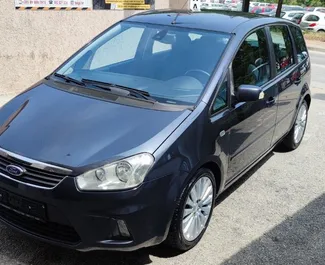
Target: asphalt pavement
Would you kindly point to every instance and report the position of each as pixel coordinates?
(273, 215)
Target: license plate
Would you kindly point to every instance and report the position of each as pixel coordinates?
(22, 206)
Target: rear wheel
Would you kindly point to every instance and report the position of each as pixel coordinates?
(295, 136)
(193, 211)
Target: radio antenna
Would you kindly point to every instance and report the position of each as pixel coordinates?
(175, 19)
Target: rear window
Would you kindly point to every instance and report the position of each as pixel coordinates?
(299, 15)
(300, 43)
(312, 18)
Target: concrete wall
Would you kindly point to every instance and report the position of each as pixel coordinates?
(177, 4)
(34, 43)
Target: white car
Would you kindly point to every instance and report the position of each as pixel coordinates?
(313, 21)
(264, 4)
(315, 9)
(214, 6)
(290, 14)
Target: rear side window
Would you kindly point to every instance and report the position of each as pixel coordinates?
(312, 18)
(251, 65)
(282, 48)
(291, 14)
(300, 43)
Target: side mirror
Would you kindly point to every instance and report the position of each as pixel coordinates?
(247, 93)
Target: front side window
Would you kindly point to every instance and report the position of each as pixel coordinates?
(302, 52)
(171, 64)
(251, 64)
(282, 48)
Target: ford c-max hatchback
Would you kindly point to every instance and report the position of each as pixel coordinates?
(129, 142)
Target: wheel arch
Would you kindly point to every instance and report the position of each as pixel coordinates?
(217, 172)
(307, 98)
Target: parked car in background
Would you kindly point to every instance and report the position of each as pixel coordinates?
(263, 4)
(315, 9)
(313, 21)
(290, 14)
(260, 10)
(291, 8)
(297, 17)
(130, 141)
(215, 6)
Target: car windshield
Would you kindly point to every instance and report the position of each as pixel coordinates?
(169, 63)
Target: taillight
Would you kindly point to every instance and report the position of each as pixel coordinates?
(312, 24)
(299, 21)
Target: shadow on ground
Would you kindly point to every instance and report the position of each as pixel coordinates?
(300, 239)
(319, 96)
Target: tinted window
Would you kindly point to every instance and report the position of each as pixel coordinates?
(161, 47)
(291, 14)
(312, 18)
(120, 48)
(282, 47)
(221, 98)
(299, 15)
(300, 44)
(172, 64)
(251, 64)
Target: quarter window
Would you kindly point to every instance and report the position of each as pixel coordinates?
(221, 98)
(251, 65)
(300, 44)
(282, 48)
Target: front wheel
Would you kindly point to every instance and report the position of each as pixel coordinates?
(193, 211)
(295, 136)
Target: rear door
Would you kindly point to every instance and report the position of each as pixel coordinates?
(253, 122)
(288, 79)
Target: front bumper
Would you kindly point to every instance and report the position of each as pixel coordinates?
(88, 220)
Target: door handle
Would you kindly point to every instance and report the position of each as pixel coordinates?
(270, 101)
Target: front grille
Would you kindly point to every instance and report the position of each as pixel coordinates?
(32, 175)
(48, 230)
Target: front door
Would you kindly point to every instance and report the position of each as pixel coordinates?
(254, 122)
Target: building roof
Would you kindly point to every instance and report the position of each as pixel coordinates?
(223, 21)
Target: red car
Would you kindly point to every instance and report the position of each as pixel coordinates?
(258, 10)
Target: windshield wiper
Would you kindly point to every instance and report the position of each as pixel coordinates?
(69, 79)
(109, 87)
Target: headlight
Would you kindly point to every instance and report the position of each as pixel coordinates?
(123, 174)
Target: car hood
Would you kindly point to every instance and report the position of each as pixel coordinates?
(73, 130)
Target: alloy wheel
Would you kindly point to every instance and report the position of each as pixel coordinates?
(197, 208)
(300, 124)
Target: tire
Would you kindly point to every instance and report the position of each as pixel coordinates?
(176, 237)
(290, 141)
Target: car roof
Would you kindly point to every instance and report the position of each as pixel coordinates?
(222, 21)
(295, 11)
